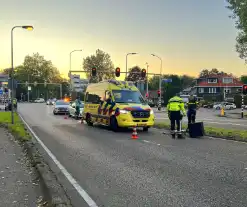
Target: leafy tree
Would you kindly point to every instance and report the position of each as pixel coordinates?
(36, 68)
(239, 14)
(134, 74)
(102, 62)
(170, 89)
(243, 79)
(204, 72)
(213, 71)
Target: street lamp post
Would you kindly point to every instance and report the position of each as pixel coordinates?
(30, 28)
(147, 79)
(70, 70)
(131, 53)
(159, 105)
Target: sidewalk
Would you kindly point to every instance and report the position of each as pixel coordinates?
(18, 182)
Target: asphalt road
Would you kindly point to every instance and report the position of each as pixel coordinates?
(210, 118)
(154, 170)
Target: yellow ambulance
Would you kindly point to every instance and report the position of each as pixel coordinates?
(117, 104)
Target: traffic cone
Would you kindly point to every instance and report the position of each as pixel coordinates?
(134, 133)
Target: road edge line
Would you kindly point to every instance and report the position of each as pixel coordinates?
(69, 177)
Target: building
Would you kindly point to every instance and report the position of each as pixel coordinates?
(217, 87)
(78, 84)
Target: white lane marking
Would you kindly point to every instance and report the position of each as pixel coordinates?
(212, 122)
(70, 178)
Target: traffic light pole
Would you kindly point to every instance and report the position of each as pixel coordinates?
(242, 107)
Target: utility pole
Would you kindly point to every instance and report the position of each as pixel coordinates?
(147, 80)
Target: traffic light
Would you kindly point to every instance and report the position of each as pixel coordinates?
(158, 93)
(117, 72)
(93, 71)
(143, 73)
(245, 89)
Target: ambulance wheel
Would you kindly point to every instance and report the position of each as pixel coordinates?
(114, 124)
(88, 120)
(145, 129)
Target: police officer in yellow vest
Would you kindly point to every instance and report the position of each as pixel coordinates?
(176, 111)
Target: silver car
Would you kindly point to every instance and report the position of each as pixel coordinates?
(61, 107)
(72, 110)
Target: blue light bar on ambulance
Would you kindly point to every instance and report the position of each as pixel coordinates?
(114, 82)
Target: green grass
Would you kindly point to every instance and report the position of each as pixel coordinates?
(232, 134)
(17, 129)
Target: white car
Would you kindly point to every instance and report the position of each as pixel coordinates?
(39, 100)
(225, 105)
(218, 106)
(230, 106)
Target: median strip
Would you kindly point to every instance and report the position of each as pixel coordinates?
(230, 134)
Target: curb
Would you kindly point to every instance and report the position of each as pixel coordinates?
(53, 191)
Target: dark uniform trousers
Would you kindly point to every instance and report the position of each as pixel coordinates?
(191, 114)
(175, 117)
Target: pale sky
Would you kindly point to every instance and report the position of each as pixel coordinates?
(188, 35)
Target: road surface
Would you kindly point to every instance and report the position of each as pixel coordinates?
(210, 118)
(154, 170)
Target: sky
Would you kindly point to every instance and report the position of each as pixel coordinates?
(188, 35)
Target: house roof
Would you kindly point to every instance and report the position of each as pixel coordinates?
(236, 81)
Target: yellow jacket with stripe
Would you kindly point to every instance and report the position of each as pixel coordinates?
(176, 104)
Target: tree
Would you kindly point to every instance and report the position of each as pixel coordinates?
(102, 62)
(204, 72)
(243, 79)
(213, 71)
(36, 69)
(239, 14)
(134, 74)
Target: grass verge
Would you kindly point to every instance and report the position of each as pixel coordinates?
(17, 129)
(231, 134)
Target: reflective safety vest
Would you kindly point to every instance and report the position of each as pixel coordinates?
(14, 101)
(192, 105)
(176, 104)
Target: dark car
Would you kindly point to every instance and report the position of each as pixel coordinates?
(61, 107)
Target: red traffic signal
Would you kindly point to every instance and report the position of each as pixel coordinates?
(244, 89)
(158, 92)
(94, 71)
(117, 72)
(143, 73)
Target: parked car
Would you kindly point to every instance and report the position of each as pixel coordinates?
(61, 107)
(72, 110)
(49, 102)
(39, 100)
(209, 105)
(230, 106)
(53, 101)
(225, 105)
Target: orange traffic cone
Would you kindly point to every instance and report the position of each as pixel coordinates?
(134, 133)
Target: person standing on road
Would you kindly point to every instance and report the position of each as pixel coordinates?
(77, 105)
(174, 107)
(192, 107)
